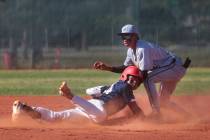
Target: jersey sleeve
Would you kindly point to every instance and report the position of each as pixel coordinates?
(145, 60)
(128, 61)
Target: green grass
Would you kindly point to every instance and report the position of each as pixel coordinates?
(196, 81)
(46, 82)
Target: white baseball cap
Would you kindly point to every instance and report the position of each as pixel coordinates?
(128, 29)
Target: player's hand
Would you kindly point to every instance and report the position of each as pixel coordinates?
(100, 65)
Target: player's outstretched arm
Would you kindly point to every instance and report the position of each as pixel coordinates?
(137, 111)
(102, 66)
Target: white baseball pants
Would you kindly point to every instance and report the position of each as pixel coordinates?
(168, 77)
(86, 109)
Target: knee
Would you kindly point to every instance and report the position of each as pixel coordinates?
(149, 81)
(46, 114)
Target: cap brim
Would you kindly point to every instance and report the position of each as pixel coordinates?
(122, 34)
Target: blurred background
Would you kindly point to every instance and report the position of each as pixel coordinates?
(59, 34)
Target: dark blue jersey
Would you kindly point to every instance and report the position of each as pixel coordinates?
(117, 96)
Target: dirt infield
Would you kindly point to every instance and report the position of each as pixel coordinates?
(173, 127)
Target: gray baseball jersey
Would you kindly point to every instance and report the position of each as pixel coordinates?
(163, 67)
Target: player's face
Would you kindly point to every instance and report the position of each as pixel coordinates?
(129, 40)
(133, 81)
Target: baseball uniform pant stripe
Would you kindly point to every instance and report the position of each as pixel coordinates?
(150, 86)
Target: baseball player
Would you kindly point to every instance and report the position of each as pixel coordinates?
(111, 100)
(156, 64)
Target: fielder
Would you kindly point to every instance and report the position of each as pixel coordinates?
(107, 101)
(156, 64)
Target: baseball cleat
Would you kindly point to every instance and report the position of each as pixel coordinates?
(21, 110)
(17, 110)
(64, 90)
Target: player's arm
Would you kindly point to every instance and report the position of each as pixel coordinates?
(102, 66)
(118, 69)
(137, 111)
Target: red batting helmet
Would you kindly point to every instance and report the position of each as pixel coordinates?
(131, 70)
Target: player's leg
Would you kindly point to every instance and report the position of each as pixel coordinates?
(70, 114)
(166, 90)
(20, 110)
(94, 108)
(167, 73)
(152, 93)
(168, 82)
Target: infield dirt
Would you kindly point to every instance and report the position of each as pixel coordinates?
(173, 127)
